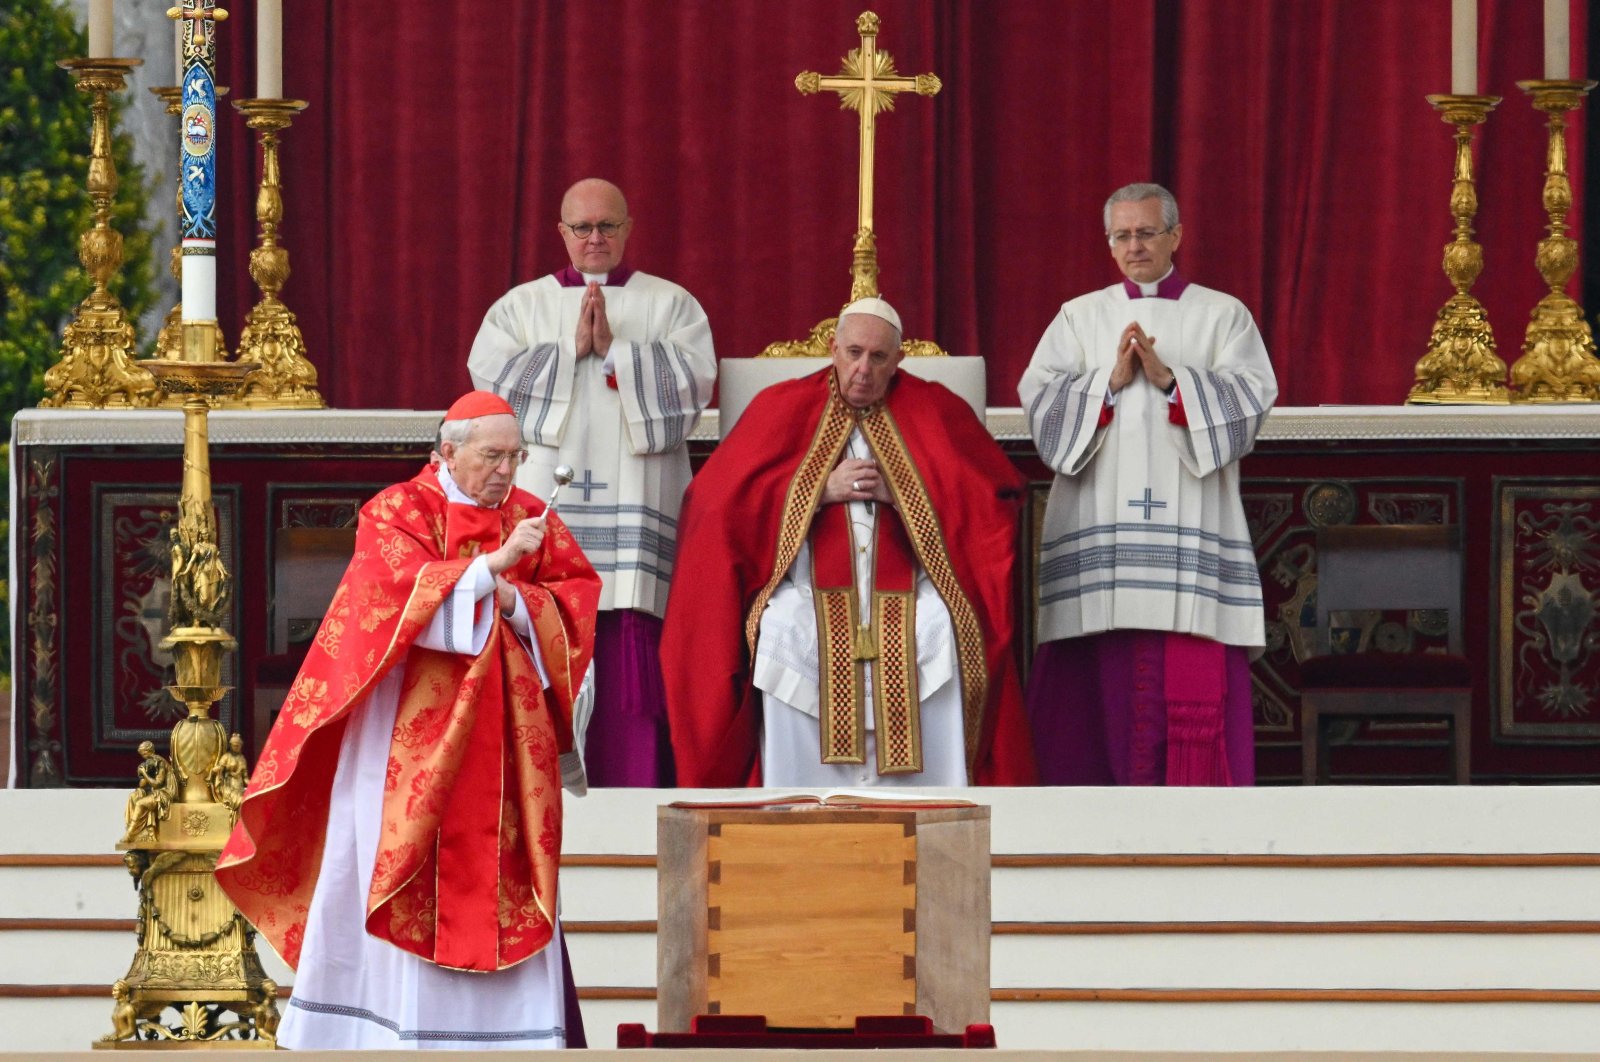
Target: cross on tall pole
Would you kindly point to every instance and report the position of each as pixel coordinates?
(867, 85)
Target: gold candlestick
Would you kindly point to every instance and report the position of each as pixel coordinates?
(1461, 365)
(1558, 362)
(286, 380)
(196, 953)
(169, 342)
(97, 367)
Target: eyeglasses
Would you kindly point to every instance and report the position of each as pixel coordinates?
(1122, 239)
(583, 230)
(496, 458)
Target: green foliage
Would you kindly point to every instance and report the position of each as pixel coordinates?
(44, 205)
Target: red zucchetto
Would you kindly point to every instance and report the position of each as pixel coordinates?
(476, 404)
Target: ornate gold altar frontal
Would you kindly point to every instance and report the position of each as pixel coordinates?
(867, 84)
(196, 953)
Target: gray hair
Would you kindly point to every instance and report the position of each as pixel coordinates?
(1137, 193)
(456, 431)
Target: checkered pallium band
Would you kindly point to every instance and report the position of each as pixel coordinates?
(927, 540)
(897, 717)
(843, 729)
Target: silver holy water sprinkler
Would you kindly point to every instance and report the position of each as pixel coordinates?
(563, 475)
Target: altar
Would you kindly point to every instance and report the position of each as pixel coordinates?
(95, 494)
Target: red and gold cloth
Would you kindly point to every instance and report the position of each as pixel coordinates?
(466, 869)
(752, 506)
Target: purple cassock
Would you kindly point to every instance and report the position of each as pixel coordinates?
(627, 743)
(1136, 707)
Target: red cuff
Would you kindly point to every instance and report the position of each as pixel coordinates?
(1175, 413)
(611, 382)
(1107, 411)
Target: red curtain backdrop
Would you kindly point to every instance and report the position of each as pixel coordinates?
(424, 179)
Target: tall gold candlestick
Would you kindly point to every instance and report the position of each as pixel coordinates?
(169, 341)
(97, 367)
(1461, 365)
(196, 954)
(1558, 363)
(286, 379)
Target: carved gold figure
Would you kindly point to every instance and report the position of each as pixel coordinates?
(98, 367)
(1461, 365)
(1558, 361)
(151, 802)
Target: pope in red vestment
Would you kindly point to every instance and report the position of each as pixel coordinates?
(947, 502)
(470, 838)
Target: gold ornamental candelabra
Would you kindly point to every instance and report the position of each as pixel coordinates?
(169, 341)
(1558, 361)
(1461, 365)
(196, 953)
(867, 83)
(98, 369)
(271, 338)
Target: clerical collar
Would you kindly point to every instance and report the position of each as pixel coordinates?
(569, 277)
(1170, 286)
(453, 492)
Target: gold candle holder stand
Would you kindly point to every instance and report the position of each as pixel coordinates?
(1558, 363)
(196, 953)
(286, 379)
(97, 367)
(169, 342)
(1461, 366)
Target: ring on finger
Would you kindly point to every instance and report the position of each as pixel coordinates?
(855, 485)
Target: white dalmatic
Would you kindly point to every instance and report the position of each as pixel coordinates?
(1145, 527)
(625, 444)
(787, 671)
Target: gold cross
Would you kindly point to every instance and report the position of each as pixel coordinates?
(867, 85)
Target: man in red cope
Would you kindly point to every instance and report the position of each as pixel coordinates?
(400, 837)
(842, 607)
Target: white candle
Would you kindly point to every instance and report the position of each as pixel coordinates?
(1464, 47)
(269, 49)
(101, 37)
(1557, 41)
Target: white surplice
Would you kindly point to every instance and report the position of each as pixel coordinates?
(354, 991)
(787, 671)
(1144, 527)
(626, 445)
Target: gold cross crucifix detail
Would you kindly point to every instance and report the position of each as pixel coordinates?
(867, 85)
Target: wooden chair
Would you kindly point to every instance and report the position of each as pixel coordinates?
(307, 564)
(1387, 567)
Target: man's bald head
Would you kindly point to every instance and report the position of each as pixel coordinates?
(594, 225)
(593, 191)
